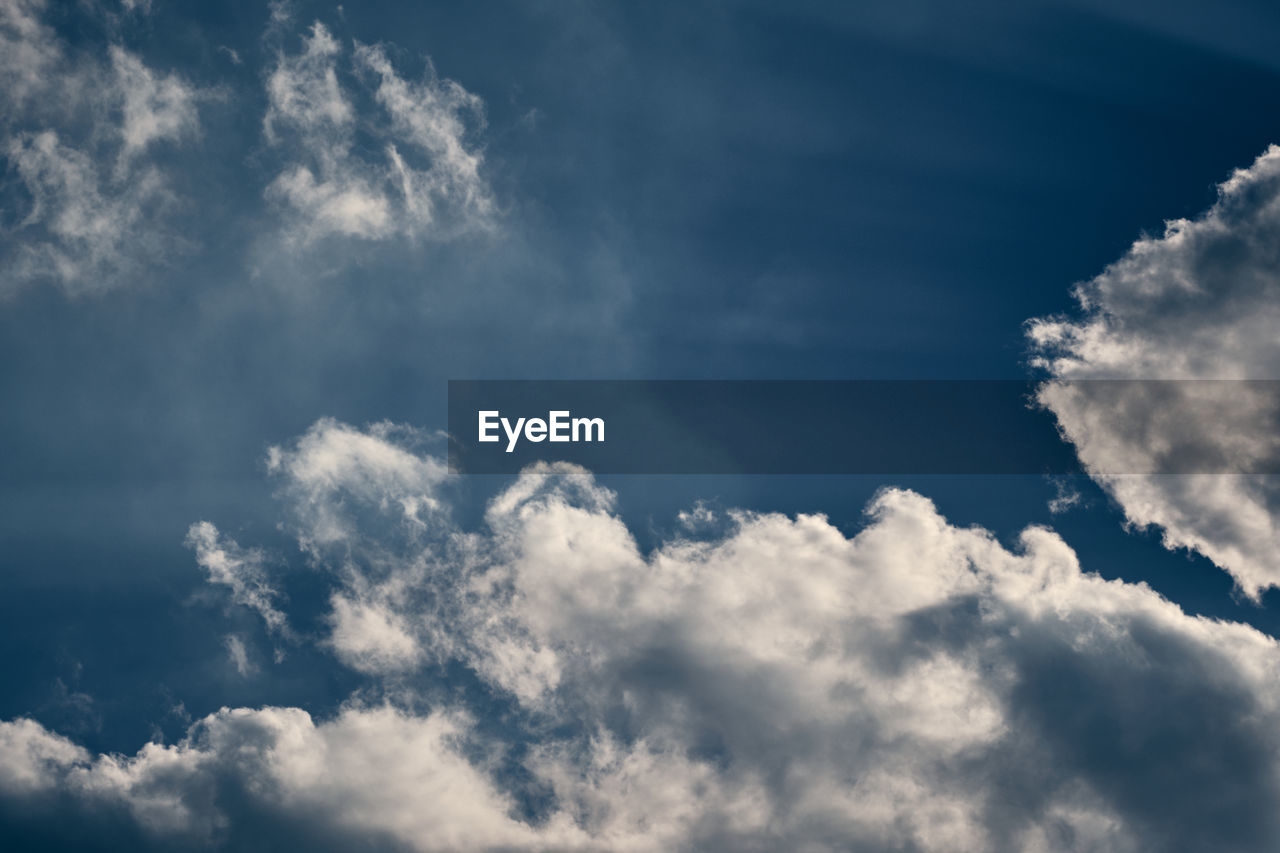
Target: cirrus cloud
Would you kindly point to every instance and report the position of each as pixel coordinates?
(418, 175)
(78, 128)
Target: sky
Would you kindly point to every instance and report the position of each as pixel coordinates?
(245, 606)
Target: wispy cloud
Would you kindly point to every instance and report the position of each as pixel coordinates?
(418, 175)
(30, 53)
(362, 152)
(241, 570)
(78, 131)
(155, 107)
(354, 494)
(238, 654)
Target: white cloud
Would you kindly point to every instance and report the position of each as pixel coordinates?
(333, 460)
(29, 51)
(372, 769)
(241, 570)
(303, 92)
(239, 655)
(422, 180)
(76, 129)
(917, 686)
(88, 230)
(155, 107)
(358, 500)
(280, 13)
(1066, 497)
(386, 771)
(1200, 302)
(430, 116)
(371, 636)
(31, 758)
(364, 152)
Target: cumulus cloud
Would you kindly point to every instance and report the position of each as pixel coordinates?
(374, 769)
(369, 634)
(32, 759)
(776, 685)
(1199, 303)
(419, 174)
(77, 128)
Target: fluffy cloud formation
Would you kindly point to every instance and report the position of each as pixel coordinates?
(374, 770)
(77, 129)
(778, 685)
(33, 759)
(416, 176)
(1199, 303)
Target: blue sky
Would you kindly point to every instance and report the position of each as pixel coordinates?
(248, 227)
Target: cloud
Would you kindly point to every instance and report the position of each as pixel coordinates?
(1066, 496)
(418, 175)
(29, 51)
(359, 501)
(32, 758)
(362, 152)
(774, 685)
(1199, 302)
(85, 230)
(372, 769)
(154, 107)
(377, 468)
(239, 655)
(371, 636)
(77, 129)
(241, 570)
